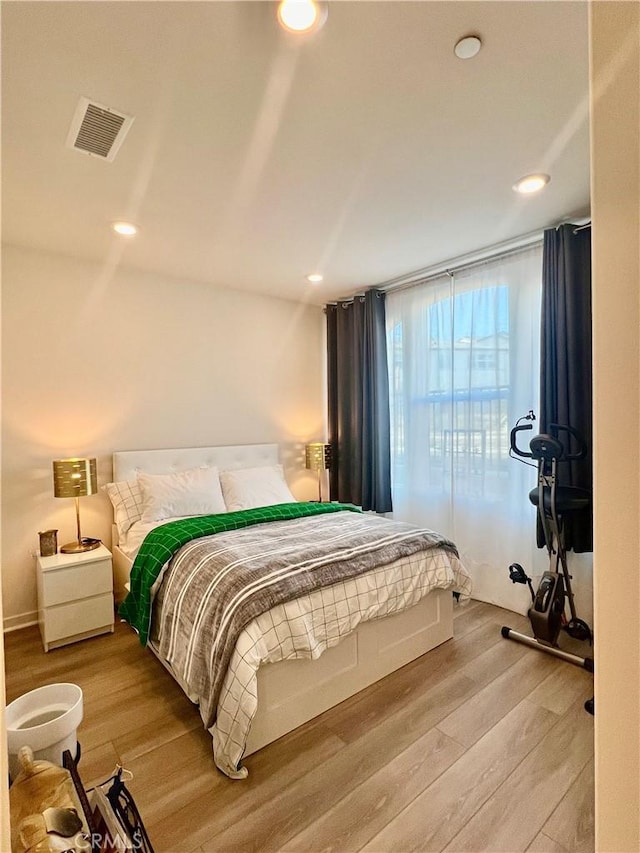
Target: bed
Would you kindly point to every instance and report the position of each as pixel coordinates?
(276, 695)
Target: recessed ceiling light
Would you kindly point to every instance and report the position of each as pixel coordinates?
(531, 183)
(315, 278)
(124, 228)
(302, 16)
(467, 47)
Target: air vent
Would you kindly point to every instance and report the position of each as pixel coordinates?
(98, 130)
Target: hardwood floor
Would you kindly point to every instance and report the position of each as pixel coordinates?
(480, 745)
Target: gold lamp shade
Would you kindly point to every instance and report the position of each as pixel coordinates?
(76, 478)
(318, 458)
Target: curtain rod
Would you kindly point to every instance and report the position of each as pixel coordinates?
(471, 259)
(463, 262)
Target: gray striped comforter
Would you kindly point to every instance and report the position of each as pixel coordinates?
(216, 585)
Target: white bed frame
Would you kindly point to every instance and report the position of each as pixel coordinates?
(292, 692)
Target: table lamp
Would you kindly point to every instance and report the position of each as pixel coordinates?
(76, 478)
(318, 458)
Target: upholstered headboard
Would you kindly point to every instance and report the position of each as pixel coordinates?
(127, 463)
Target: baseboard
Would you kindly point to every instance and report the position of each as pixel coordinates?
(23, 620)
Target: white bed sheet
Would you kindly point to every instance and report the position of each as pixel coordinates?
(130, 543)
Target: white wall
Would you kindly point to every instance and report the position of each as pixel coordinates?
(5, 833)
(97, 360)
(615, 143)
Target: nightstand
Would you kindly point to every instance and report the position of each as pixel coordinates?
(75, 596)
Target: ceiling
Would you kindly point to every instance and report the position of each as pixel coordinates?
(256, 157)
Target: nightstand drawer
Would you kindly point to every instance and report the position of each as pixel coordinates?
(67, 620)
(76, 582)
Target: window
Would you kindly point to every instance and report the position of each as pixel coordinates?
(463, 365)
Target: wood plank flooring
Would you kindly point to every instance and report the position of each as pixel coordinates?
(480, 745)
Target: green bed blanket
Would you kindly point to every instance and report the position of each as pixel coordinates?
(163, 542)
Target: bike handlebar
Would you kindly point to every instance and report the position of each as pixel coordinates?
(513, 440)
(554, 429)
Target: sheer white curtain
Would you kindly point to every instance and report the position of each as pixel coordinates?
(463, 354)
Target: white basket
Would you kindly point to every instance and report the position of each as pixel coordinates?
(46, 719)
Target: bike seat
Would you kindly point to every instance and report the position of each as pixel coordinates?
(568, 499)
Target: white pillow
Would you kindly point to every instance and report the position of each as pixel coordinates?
(193, 492)
(247, 488)
(126, 498)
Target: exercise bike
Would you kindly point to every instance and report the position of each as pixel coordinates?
(553, 502)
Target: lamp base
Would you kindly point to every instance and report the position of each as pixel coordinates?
(80, 546)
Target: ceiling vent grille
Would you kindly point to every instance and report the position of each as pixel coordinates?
(98, 130)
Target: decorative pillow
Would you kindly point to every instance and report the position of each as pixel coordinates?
(126, 499)
(193, 492)
(247, 488)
